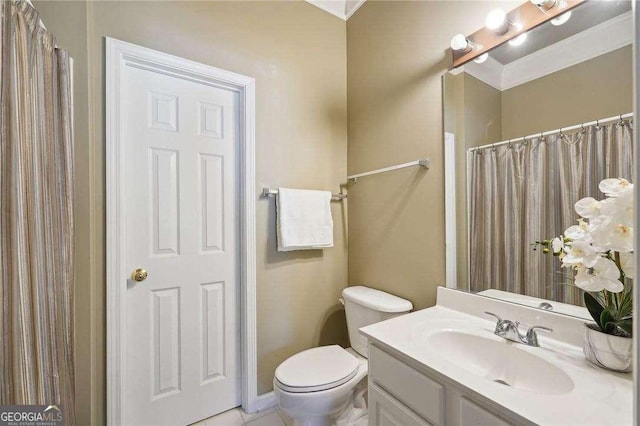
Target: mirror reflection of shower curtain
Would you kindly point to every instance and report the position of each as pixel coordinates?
(526, 192)
(36, 223)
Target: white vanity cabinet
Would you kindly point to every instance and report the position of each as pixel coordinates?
(445, 366)
(400, 394)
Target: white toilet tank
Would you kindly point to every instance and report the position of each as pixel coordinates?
(364, 306)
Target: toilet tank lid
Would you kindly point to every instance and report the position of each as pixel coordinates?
(376, 299)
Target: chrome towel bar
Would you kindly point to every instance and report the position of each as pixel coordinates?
(268, 191)
(426, 163)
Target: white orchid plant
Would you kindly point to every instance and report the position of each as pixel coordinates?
(600, 251)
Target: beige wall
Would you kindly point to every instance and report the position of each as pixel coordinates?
(598, 88)
(397, 53)
(297, 54)
(482, 112)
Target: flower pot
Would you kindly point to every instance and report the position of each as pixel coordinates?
(607, 350)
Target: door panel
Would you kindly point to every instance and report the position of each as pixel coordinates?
(181, 142)
(213, 347)
(212, 174)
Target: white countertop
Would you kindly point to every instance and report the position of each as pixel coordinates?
(599, 397)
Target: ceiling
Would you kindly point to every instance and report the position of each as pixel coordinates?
(343, 9)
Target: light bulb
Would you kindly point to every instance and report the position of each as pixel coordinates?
(480, 59)
(544, 4)
(562, 19)
(517, 41)
(460, 42)
(497, 21)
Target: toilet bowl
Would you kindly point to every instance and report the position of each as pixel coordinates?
(324, 394)
(315, 386)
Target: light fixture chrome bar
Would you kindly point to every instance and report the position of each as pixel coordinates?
(553, 132)
(268, 191)
(426, 163)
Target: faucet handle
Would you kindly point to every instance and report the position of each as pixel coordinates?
(532, 337)
(499, 324)
(494, 315)
(539, 327)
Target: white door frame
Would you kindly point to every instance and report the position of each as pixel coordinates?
(119, 55)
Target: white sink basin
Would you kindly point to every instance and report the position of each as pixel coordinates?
(501, 361)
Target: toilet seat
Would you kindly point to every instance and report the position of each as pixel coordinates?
(316, 369)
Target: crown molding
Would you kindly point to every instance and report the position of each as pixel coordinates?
(339, 8)
(332, 7)
(350, 12)
(598, 40)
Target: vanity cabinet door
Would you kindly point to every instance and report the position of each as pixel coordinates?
(462, 411)
(420, 393)
(384, 410)
(472, 414)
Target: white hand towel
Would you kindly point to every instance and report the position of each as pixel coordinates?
(304, 219)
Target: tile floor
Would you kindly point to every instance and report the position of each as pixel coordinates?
(237, 417)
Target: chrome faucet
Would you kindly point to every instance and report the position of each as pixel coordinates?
(509, 330)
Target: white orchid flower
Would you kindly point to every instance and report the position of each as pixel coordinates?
(603, 275)
(628, 264)
(614, 186)
(624, 207)
(579, 231)
(557, 244)
(588, 207)
(605, 229)
(620, 207)
(580, 253)
(613, 235)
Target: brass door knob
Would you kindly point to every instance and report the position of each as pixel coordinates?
(139, 275)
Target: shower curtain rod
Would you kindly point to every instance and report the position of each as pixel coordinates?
(553, 132)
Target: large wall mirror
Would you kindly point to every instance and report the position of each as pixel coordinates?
(530, 129)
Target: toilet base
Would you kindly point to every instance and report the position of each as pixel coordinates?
(349, 409)
(314, 421)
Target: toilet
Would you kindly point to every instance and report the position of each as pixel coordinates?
(315, 386)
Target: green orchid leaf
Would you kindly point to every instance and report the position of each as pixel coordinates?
(626, 325)
(626, 306)
(594, 307)
(607, 321)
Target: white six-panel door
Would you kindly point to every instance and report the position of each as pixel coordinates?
(181, 189)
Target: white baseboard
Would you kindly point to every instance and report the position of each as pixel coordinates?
(265, 401)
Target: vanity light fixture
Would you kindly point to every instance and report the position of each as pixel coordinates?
(517, 41)
(561, 19)
(480, 59)
(460, 43)
(544, 5)
(497, 21)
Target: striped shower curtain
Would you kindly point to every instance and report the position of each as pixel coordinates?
(526, 191)
(36, 220)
